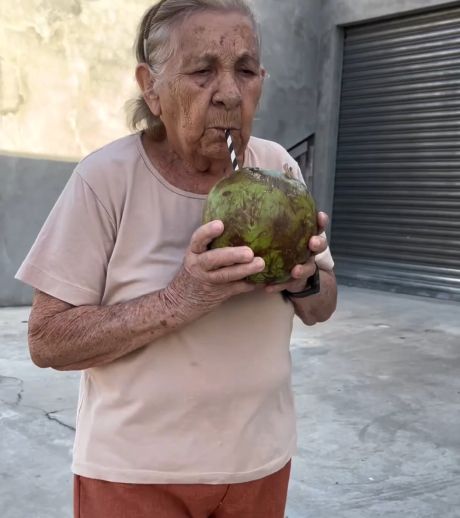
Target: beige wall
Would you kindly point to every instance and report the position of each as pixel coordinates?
(66, 71)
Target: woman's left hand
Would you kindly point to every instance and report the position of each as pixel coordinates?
(301, 272)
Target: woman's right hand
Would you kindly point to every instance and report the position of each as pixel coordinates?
(209, 277)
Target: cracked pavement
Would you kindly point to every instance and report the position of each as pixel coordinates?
(36, 428)
(377, 397)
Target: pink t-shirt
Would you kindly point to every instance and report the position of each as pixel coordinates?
(210, 403)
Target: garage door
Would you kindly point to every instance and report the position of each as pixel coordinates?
(396, 216)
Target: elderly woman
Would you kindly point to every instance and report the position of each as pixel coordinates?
(185, 407)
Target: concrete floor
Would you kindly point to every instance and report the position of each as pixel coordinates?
(378, 400)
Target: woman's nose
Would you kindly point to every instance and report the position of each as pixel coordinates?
(227, 94)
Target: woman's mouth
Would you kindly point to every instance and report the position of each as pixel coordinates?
(221, 128)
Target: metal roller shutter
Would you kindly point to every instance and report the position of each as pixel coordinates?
(396, 215)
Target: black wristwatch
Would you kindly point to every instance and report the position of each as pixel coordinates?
(312, 287)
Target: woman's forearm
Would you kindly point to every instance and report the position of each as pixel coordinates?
(319, 307)
(65, 337)
(68, 337)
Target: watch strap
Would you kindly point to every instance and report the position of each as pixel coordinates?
(312, 287)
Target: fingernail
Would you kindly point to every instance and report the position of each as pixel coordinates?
(249, 253)
(217, 225)
(259, 262)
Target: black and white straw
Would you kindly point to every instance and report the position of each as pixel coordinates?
(231, 148)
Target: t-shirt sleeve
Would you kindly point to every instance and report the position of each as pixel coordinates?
(70, 256)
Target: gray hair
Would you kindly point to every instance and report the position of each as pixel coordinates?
(154, 46)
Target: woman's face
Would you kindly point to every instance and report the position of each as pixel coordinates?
(211, 83)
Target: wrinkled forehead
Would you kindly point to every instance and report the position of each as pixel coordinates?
(216, 33)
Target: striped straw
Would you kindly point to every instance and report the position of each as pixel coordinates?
(231, 148)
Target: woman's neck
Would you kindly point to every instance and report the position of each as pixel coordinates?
(198, 177)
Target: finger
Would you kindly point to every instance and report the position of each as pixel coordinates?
(204, 235)
(299, 275)
(238, 287)
(303, 271)
(220, 257)
(322, 221)
(236, 272)
(317, 244)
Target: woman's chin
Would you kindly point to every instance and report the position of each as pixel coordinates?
(215, 151)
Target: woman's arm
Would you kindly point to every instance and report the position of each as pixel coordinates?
(67, 337)
(319, 307)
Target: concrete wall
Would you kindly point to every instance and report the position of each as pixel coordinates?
(334, 15)
(66, 71)
(28, 190)
(83, 66)
(290, 41)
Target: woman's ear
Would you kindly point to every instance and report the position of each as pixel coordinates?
(147, 83)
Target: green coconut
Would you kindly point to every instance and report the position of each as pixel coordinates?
(271, 212)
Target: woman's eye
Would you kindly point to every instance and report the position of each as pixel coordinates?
(202, 72)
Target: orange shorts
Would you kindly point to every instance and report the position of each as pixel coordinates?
(263, 498)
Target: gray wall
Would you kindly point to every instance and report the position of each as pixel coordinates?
(28, 190)
(290, 42)
(334, 15)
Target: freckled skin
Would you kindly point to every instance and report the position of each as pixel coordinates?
(207, 85)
